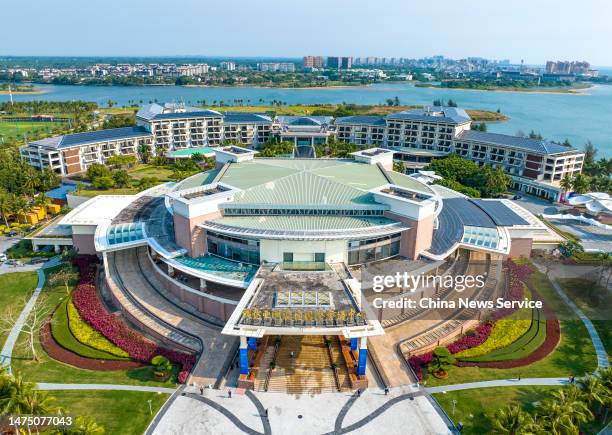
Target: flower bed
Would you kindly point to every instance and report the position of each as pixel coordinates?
(88, 335)
(95, 314)
(58, 353)
(517, 276)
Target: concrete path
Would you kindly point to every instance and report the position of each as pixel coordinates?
(327, 413)
(499, 383)
(9, 344)
(602, 355)
(108, 387)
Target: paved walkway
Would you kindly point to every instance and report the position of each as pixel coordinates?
(7, 350)
(499, 383)
(327, 413)
(110, 387)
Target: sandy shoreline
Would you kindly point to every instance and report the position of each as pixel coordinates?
(38, 91)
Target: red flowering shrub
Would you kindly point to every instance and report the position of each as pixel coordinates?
(517, 276)
(95, 314)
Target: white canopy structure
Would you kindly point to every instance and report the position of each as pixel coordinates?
(595, 202)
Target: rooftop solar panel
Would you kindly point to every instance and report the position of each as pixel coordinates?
(500, 213)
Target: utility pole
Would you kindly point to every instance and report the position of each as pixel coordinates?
(10, 94)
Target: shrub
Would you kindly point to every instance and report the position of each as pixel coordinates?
(88, 335)
(504, 332)
(94, 313)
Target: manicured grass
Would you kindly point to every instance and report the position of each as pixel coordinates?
(120, 412)
(574, 355)
(60, 330)
(15, 290)
(30, 129)
(141, 170)
(90, 192)
(595, 303)
(526, 344)
(476, 408)
(50, 370)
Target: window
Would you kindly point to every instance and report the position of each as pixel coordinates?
(319, 257)
(288, 257)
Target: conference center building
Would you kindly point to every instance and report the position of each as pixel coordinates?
(271, 251)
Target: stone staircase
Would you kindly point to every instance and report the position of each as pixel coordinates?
(309, 371)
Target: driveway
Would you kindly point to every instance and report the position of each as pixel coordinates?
(6, 243)
(539, 206)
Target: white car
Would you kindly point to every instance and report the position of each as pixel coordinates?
(3, 257)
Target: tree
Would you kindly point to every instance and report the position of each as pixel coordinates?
(64, 276)
(121, 178)
(103, 183)
(399, 167)
(566, 184)
(496, 181)
(570, 248)
(7, 204)
(589, 155)
(512, 420)
(451, 103)
(97, 170)
(442, 358)
(144, 152)
(580, 183)
(31, 328)
(197, 157)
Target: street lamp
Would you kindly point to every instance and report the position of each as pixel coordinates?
(454, 403)
(150, 407)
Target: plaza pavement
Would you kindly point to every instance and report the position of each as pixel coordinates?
(328, 413)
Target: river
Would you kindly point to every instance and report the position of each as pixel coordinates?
(578, 118)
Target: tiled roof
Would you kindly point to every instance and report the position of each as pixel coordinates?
(452, 115)
(155, 111)
(77, 139)
(251, 118)
(524, 143)
(362, 120)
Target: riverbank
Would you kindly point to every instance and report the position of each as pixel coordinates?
(33, 91)
(582, 90)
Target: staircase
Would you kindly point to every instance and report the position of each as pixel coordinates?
(309, 371)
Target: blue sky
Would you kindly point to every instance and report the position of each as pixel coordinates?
(533, 30)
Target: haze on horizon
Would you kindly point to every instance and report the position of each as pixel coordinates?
(535, 31)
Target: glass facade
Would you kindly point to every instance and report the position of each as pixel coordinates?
(234, 248)
(367, 250)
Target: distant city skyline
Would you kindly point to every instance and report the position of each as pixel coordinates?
(523, 30)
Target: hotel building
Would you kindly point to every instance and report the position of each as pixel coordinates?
(270, 250)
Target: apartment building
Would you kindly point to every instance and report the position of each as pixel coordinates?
(276, 67)
(73, 153)
(313, 61)
(339, 62)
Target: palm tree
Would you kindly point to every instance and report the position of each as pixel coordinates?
(14, 391)
(38, 402)
(21, 205)
(593, 390)
(82, 426)
(566, 184)
(565, 412)
(513, 420)
(580, 183)
(7, 202)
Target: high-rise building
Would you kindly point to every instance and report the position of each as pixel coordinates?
(339, 62)
(313, 61)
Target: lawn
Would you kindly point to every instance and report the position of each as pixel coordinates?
(476, 408)
(90, 191)
(574, 355)
(595, 303)
(142, 170)
(15, 289)
(49, 370)
(120, 412)
(12, 129)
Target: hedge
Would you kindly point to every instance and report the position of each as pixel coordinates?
(88, 335)
(63, 337)
(93, 312)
